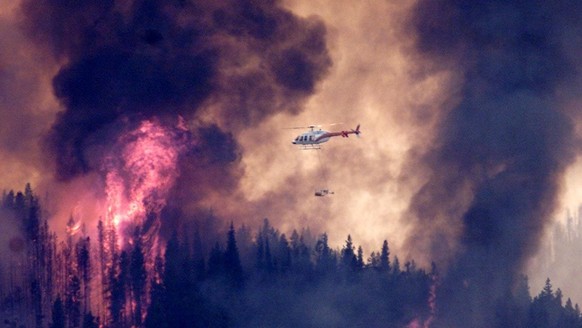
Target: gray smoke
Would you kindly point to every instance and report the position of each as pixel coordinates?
(223, 65)
(495, 168)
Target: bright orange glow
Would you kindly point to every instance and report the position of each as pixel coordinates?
(417, 322)
(139, 177)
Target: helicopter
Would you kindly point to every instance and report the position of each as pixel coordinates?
(313, 138)
(323, 192)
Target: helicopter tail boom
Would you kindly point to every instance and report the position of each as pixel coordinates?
(346, 134)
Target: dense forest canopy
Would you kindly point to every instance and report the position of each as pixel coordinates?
(247, 277)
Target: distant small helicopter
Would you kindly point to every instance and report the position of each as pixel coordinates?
(323, 192)
(313, 138)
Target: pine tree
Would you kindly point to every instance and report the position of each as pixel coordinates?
(118, 281)
(348, 256)
(84, 265)
(374, 260)
(8, 200)
(58, 315)
(198, 256)
(260, 254)
(541, 313)
(325, 259)
(36, 293)
(216, 261)
(73, 301)
(284, 254)
(232, 265)
(360, 259)
(385, 257)
(300, 256)
(89, 321)
(396, 267)
(138, 276)
(180, 300)
(157, 310)
(101, 235)
(268, 258)
(569, 317)
(522, 294)
(32, 215)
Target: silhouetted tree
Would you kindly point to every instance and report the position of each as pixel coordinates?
(89, 321)
(324, 257)
(84, 265)
(545, 308)
(8, 200)
(269, 265)
(300, 256)
(385, 257)
(118, 283)
(73, 302)
(178, 288)
(58, 314)
(101, 235)
(348, 255)
(266, 242)
(260, 253)
(178, 301)
(32, 214)
(216, 261)
(360, 259)
(396, 267)
(157, 310)
(198, 256)
(36, 293)
(284, 254)
(232, 265)
(374, 260)
(138, 276)
(568, 316)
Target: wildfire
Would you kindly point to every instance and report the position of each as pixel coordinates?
(73, 227)
(417, 322)
(142, 171)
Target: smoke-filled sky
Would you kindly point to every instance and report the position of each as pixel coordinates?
(469, 113)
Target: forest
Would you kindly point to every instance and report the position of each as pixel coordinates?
(199, 276)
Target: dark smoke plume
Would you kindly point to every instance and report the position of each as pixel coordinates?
(232, 63)
(496, 166)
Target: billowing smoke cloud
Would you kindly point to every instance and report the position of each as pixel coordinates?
(223, 66)
(495, 168)
(137, 59)
(23, 77)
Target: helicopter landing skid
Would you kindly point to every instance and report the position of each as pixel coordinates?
(309, 147)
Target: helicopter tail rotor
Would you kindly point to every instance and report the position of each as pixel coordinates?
(357, 131)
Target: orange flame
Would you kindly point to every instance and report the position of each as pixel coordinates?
(417, 322)
(73, 227)
(139, 178)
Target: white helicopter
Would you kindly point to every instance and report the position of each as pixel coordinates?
(313, 138)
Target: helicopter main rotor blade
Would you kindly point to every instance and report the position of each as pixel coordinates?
(313, 126)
